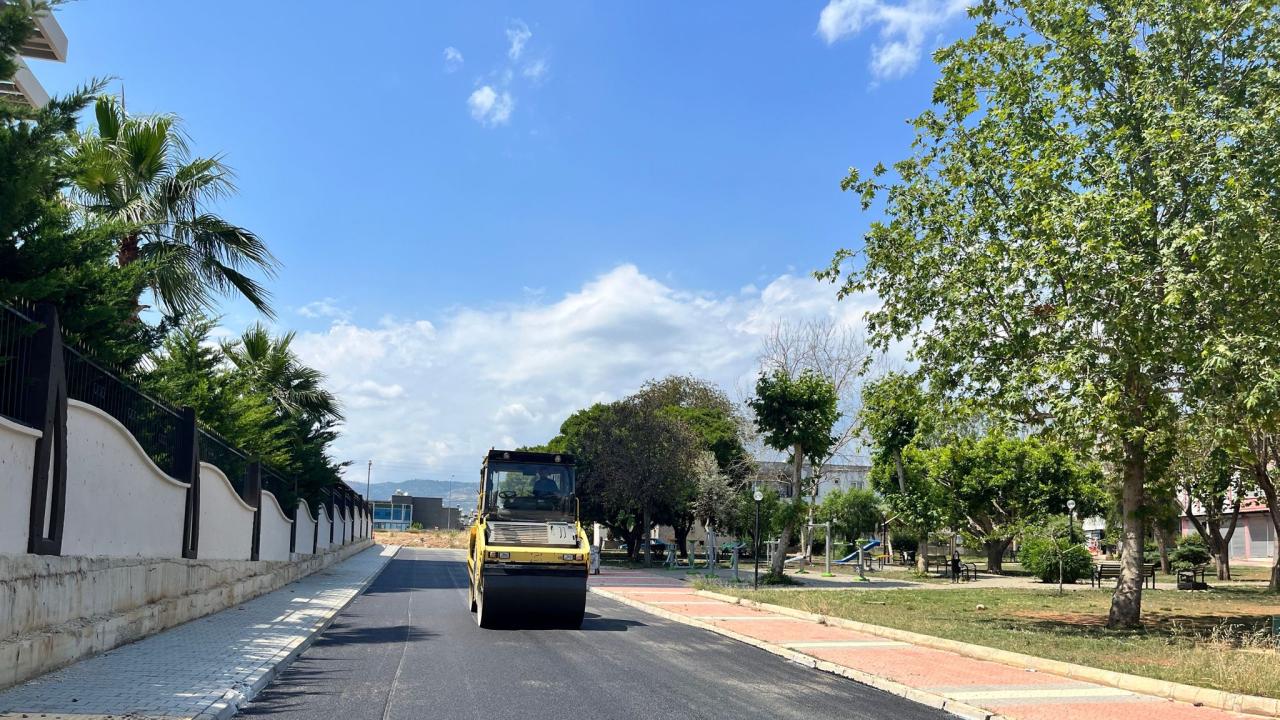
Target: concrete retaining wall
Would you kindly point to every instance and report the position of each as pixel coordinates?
(17, 465)
(273, 543)
(226, 521)
(119, 504)
(56, 610)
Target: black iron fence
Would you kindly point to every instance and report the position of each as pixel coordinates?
(219, 453)
(31, 382)
(151, 422)
(286, 491)
(17, 326)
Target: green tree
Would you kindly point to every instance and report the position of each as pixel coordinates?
(851, 512)
(45, 253)
(998, 486)
(893, 417)
(1085, 221)
(138, 174)
(189, 370)
(795, 414)
(272, 367)
(633, 465)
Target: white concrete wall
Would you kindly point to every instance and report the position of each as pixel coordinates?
(306, 528)
(119, 504)
(339, 527)
(273, 543)
(322, 533)
(226, 521)
(17, 466)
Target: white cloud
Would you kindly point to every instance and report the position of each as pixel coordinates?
(452, 59)
(518, 35)
(324, 308)
(536, 69)
(436, 395)
(903, 28)
(490, 107)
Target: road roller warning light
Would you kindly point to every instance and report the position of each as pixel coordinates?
(528, 554)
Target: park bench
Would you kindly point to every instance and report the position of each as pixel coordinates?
(1192, 578)
(937, 563)
(1111, 571)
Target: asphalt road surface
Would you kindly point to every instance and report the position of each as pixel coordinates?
(409, 649)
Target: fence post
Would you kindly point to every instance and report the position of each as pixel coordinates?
(186, 467)
(328, 494)
(46, 410)
(253, 496)
(315, 528)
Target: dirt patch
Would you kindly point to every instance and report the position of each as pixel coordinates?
(1065, 618)
(456, 539)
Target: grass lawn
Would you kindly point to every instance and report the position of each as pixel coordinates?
(1213, 639)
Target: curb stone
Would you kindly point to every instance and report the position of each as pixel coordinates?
(231, 701)
(922, 697)
(1206, 697)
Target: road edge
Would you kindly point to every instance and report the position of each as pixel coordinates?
(1165, 689)
(906, 692)
(232, 700)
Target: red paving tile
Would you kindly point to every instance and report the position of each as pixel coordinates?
(928, 669)
(925, 668)
(1148, 710)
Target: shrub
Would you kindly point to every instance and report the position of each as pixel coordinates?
(416, 526)
(1039, 556)
(904, 542)
(1190, 551)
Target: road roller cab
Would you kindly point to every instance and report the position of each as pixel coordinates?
(528, 555)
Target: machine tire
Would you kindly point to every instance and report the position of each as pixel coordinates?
(471, 595)
(485, 620)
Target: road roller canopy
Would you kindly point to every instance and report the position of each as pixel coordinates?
(528, 485)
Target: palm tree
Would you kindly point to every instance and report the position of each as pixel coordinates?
(137, 174)
(274, 369)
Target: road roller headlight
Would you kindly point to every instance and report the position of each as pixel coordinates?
(570, 556)
(504, 556)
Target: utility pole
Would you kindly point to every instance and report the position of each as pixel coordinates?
(368, 478)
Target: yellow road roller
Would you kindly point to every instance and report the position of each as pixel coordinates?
(528, 555)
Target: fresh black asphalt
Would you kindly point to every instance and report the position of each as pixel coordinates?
(408, 649)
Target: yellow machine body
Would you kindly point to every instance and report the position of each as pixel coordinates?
(528, 556)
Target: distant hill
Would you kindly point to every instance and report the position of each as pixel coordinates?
(452, 492)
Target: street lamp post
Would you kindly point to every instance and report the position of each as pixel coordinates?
(1071, 520)
(755, 552)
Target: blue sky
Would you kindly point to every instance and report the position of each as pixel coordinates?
(463, 166)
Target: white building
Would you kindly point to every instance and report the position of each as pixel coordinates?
(833, 477)
(49, 43)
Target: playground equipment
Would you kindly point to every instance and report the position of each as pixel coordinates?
(861, 562)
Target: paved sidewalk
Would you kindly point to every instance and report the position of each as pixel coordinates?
(964, 686)
(205, 668)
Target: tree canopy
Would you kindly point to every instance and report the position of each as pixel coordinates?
(1085, 223)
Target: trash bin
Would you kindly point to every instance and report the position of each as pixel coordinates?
(1186, 580)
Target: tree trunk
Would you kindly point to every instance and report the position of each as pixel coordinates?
(645, 532)
(1222, 563)
(1126, 602)
(1162, 534)
(127, 254)
(995, 554)
(682, 539)
(780, 557)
